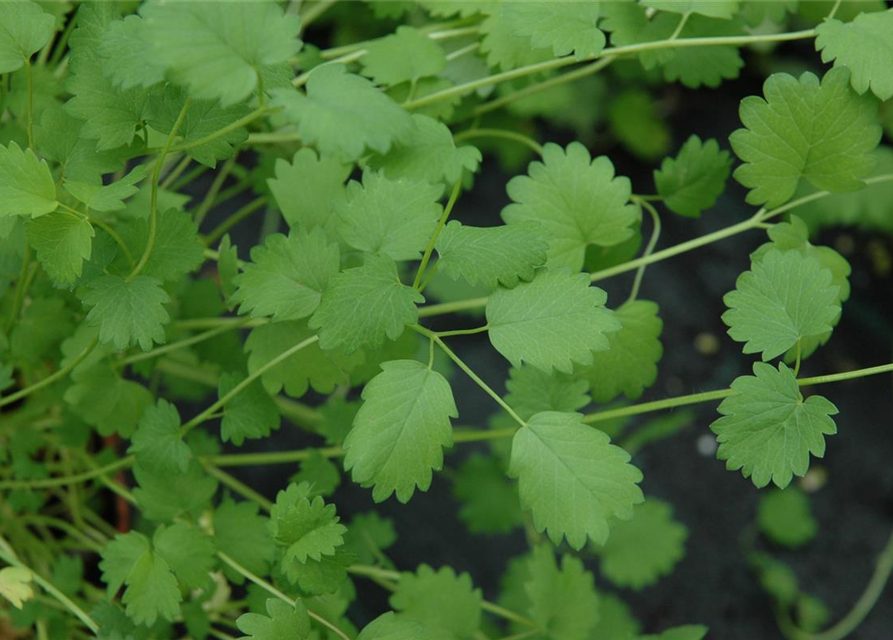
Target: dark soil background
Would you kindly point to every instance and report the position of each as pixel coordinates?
(713, 584)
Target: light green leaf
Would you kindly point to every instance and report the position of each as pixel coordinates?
(489, 501)
(368, 535)
(629, 365)
(241, 533)
(127, 54)
(177, 249)
(554, 321)
(320, 473)
(26, 184)
(491, 256)
(282, 622)
(786, 518)
(768, 430)
(503, 45)
(306, 528)
(189, 553)
(108, 197)
(865, 47)
(343, 114)
(724, 9)
(566, 27)
(15, 585)
(24, 30)
(401, 429)
(685, 632)
(577, 200)
(309, 367)
(252, 414)
(532, 390)
(571, 478)
(441, 600)
(785, 297)
(62, 243)
(364, 305)
(157, 442)
(307, 189)
(389, 627)
(642, 550)
(615, 621)
(107, 401)
(287, 275)
(699, 66)
(638, 125)
(802, 129)
(403, 56)
(216, 50)
(561, 599)
(388, 217)
(692, 181)
(58, 138)
(127, 313)
(428, 154)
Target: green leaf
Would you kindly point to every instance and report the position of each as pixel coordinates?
(152, 589)
(552, 322)
(786, 518)
(287, 275)
(638, 125)
(388, 626)
(821, 132)
(218, 50)
(642, 550)
(490, 256)
(108, 402)
(109, 197)
(615, 622)
(307, 528)
(24, 30)
(15, 584)
(503, 45)
(489, 501)
(62, 243)
(43, 325)
(785, 297)
(241, 533)
(203, 118)
(323, 576)
(309, 367)
(282, 622)
(58, 138)
(700, 66)
(532, 390)
(577, 200)
(685, 632)
(320, 473)
(157, 442)
(164, 496)
(629, 365)
(571, 478)
(863, 46)
(724, 9)
(368, 535)
(441, 600)
(127, 313)
(401, 429)
(406, 55)
(561, 600)
(177, 249)
(768, 430)
(26, 184)
(567, 28)
(308, 188)
(389, 218)
(189, 553)
(428, 154)
(127, 55)
(692, 181)
(343, 114)
(364, 305)
(250, 415)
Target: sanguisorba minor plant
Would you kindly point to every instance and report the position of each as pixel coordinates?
(125, 302)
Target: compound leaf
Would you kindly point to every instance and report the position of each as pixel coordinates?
(577, 200)
(571, 478)
(401, 429)
(692, 181)
(127, 313)
(865, 47)
(768, 430)
(552, 322)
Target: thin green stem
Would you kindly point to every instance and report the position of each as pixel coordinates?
(102, 224)
(680, 26)
(50, 379)
(190, 177)
(176, 172)
(458, 53)
(430, 248)
(182, 344)
(63, 481)
(234, 219)
(244, 384)
(463, 332)
(649, 249)
(439, 31)
(269, 588)
(347, 58)
(273, 137)
(238, 486)
(834, 9)
(314, 11)
(153, 197)
(799, 354)
(62, 41)
(211, 195)
(444, 308)
(272, 457)
(499, 133)
(18, 296)
(233, 126)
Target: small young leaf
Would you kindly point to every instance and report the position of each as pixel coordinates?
(785, 517)
(802, 129)
(127, 313)
(364, 305)
(26, 184)
(554, 321)
(320, 473)
(287, 275)
(532, 390)
(441, 600)
(692, 181)
(572, 479)
(307, 528)
(768, 430)
(15, 585)
(252, 414)
(783, 298)
(405, 55)
(578, 201)
(62, 243)
(401, 429)
(865, 47)
(157, 442)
